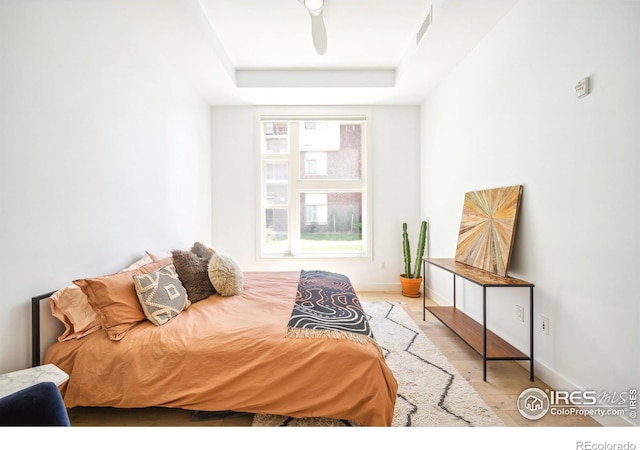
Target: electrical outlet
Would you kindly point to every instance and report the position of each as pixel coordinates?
(544, 325)
(520, 313)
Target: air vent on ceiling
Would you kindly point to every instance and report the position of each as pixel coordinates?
(426, 23)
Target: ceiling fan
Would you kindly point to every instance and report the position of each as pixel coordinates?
(318, 30)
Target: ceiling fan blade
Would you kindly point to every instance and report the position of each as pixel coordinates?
(319, 33)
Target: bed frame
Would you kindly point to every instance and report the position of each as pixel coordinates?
(36, 344)
(369, 403)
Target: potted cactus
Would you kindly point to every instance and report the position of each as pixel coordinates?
(411, 280)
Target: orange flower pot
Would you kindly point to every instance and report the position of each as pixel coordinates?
(410, 286)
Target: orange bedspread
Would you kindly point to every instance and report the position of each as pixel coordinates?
(231, 353)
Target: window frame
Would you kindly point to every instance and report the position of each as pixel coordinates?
(297, 184)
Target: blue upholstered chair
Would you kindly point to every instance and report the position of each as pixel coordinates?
(37, 405)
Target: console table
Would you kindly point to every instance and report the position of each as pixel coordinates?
(486, 343)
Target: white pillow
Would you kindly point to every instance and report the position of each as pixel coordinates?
(225, 275)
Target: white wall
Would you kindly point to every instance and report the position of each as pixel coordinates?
(508, 115)
(104, 153)
(396, 186)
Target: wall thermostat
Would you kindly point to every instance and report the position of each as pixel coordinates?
(582, 87)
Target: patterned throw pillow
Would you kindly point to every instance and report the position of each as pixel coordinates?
(161, 294)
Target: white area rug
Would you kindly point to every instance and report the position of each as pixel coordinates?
(431, 393)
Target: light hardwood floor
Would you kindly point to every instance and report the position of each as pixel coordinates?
(505, 381)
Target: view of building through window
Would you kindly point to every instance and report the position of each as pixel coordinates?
(314, 188)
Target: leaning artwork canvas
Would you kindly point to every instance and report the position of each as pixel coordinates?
(487, 228)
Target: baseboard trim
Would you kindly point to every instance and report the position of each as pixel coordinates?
(439, 299)
(377, 287)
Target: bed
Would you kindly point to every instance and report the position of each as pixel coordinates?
(253, 351)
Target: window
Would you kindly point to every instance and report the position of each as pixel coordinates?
(316, 209)
(314, 196)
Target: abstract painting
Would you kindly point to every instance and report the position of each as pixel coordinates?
(488, 227)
